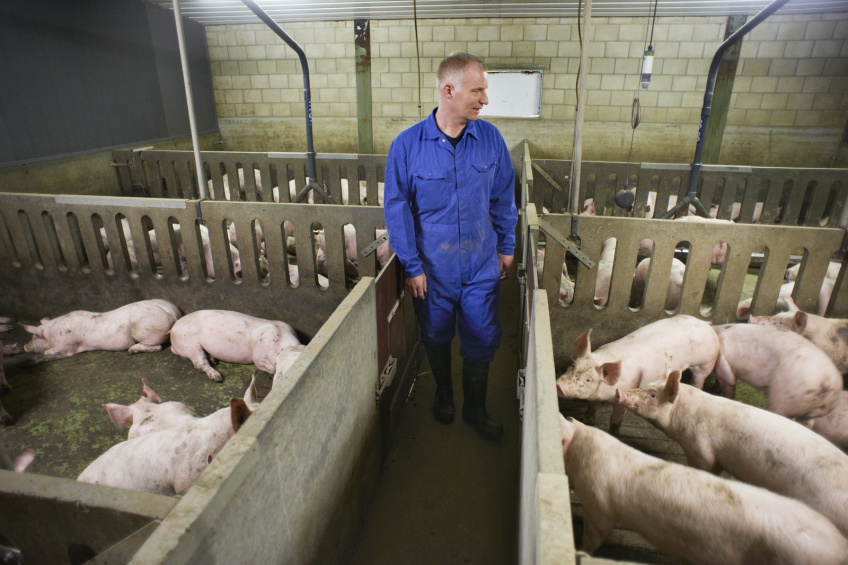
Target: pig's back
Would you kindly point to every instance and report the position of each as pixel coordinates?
(667, 345)
(702, 518)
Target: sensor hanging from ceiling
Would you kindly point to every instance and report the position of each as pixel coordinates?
(648, 59)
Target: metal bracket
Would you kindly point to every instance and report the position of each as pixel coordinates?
(547, 177)
(548, 229)
(386, 378)
(375, 244)
(522, 378)
(312, 185)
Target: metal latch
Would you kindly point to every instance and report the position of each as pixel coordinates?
(375, 244)
(386, 378)
(551, 231)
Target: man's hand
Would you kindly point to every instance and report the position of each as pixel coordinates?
(416, 286)
(506, 263)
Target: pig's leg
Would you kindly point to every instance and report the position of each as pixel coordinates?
(703, 459)
(726, 378)
(4, 386)
(198, 357)
(618, 411)
(13, 349)
(53, 355)
(141, 348)
(5, 418)
(594, 531)
(589, 414)
(700, 374)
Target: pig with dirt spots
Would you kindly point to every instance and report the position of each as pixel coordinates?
(169, 461)
(137, 327)
(829, 335)
(149, 414)
(834, 426)
(754, 445)
(232, 337)
(688, 513)
(649, 353)
(798, 378)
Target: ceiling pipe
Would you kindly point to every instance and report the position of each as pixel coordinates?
(307, 100)
(201, 181)
(695, 172)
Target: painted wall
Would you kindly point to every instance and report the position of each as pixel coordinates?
(789, 106)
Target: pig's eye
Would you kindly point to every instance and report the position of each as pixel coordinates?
(653, 395)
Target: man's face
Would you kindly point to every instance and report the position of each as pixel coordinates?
(471, 97)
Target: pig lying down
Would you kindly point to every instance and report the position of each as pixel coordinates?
(678, 343)
(169, 461)
(232, 337)
(798, 378)
(689, 513)
(753, 445)
(149, 414)
(140, 326)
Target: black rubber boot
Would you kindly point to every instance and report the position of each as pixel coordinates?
(440, 365)
(475, 378)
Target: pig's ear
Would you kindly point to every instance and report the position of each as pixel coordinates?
(34, 330)
(800, 322)
(612, 371)
(582, 346)
(250, 395)
(44, 321)
(672, 386)
(239, 412)
(120, 415)
(149, 394)
(23, 460)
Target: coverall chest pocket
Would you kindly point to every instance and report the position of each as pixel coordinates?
(485, 172)
(432, 190)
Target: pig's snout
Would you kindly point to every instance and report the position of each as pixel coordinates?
(624, 399)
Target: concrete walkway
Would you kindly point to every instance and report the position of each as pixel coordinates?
(446, 496)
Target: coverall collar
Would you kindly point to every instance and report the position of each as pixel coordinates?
(432, 131)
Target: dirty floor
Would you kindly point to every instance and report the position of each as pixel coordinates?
(58, 404)
(446, 496)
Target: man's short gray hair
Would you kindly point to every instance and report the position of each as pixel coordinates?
(453, 65)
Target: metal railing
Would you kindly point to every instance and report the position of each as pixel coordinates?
(769, 195)
(169, 174)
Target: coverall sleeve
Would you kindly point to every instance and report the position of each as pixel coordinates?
(502, 210)
(397, 211)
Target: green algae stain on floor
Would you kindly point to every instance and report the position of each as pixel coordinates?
(58, 404)
(747, 394)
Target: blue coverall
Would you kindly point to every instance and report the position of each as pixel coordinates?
(449, 212)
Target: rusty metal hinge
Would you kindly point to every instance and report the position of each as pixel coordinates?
(386, 378)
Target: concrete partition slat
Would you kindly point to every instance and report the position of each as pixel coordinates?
(44, 515)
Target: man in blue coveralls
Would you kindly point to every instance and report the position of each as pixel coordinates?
(450, 212)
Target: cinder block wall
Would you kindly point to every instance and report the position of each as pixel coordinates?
(789, 106)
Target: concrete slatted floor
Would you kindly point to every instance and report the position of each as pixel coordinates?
(445, 494)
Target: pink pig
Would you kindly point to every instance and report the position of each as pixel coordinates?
(675, 283)
(754, 445)
(140, 326)
(688, 513)
(149, 415)
(168, 462)
(232, 337)
(834, 426)
(799, 379)
(678, 343)
(829, 335)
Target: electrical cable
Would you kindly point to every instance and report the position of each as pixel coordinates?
(417, 56)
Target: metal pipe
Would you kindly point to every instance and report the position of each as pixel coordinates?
(577, 151)
(695, 173)
(307, 95)
(201, 181)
